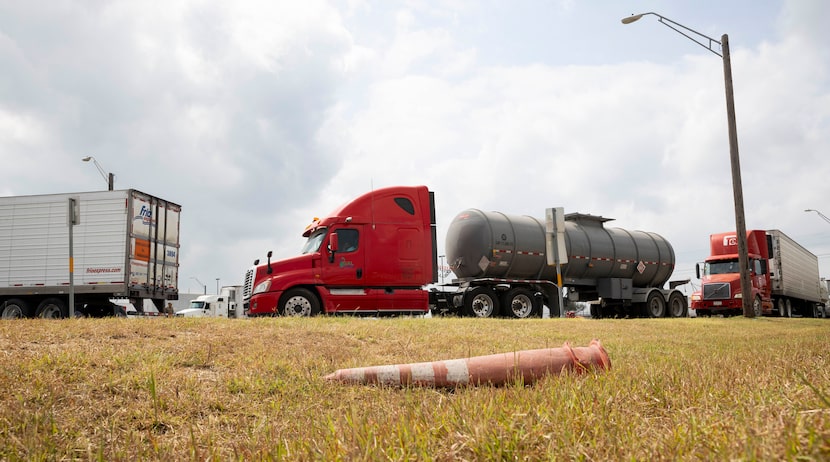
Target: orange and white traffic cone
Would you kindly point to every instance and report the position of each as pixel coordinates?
(496, 369)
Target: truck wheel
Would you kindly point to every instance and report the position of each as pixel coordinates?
(781, 308)
(655, 305)
(15, 309)
(789, 308)
(756, 306)
(299, 302)
(677, 305)
(481, 302)
(51, 308)
(520, 303)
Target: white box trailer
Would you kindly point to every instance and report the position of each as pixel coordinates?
(125, 245)
(794, 275)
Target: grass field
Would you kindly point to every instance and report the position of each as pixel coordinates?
(214, 389)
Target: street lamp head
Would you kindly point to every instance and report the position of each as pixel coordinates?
(809, 210)
(632, 18)
(87, 158)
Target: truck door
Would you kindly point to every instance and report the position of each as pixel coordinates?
(344, 271)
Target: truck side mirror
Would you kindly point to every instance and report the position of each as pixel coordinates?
(332, 246)
(697, 270)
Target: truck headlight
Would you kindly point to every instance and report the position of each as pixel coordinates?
(739, 295)
(695, 297)
(262, 287)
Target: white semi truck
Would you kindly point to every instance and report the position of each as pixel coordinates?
(123, 244)
(227, 304)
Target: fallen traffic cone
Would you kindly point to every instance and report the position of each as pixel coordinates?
(496, 369)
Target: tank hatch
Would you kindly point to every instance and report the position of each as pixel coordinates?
(585, 219)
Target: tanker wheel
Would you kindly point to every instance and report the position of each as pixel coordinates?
(51, 308)
(299, 302)
(655, 305)
(481, 302)
(677, 305)
(15, 309)
(756, 306)
(520, 303)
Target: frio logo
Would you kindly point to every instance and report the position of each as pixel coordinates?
(145, 215)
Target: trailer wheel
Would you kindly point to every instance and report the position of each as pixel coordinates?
(655, 305)
(677, 305)
(51, 308)
(520, 303)
(15, 309)
(481, 302)
(299, 302)
(788, 310)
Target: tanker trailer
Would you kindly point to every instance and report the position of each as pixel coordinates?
(502, 268)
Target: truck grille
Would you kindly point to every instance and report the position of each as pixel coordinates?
(718, 291)
(249, 281)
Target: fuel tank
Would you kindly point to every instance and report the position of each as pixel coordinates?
(493, 244)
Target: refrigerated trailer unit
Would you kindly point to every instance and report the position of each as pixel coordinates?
(125, 245)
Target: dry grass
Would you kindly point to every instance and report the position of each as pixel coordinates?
(209, 389)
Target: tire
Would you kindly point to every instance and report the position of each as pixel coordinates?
(119, 312)
(789, 309)
(299, 302)
(520, 303)
(655, 305)
(481, 302)
(677, 306)
(14, 309)
(756, 306)
(52, 308)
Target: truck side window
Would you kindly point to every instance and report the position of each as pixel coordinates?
(347, 240)
(406, 205)
(758, 267)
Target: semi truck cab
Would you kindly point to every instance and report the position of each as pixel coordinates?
(373, 255)
(720, 291)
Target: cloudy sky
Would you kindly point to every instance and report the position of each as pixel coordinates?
(256, 116)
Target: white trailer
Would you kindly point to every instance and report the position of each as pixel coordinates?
(794, 276)
(125, 245)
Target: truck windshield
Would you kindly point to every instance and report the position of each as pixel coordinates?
(314, 241)
(197, 304)
(721, 267)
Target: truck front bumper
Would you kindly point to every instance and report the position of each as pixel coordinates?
(264, 304)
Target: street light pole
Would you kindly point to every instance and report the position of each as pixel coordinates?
(819, 214)
(108, 177)
(737, 188)
(204, 286)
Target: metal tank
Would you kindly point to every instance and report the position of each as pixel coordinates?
(492, 244)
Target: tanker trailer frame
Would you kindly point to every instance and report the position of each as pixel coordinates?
(502, 268)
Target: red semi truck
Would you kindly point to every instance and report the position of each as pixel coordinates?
(377, 254)
(784, 276)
